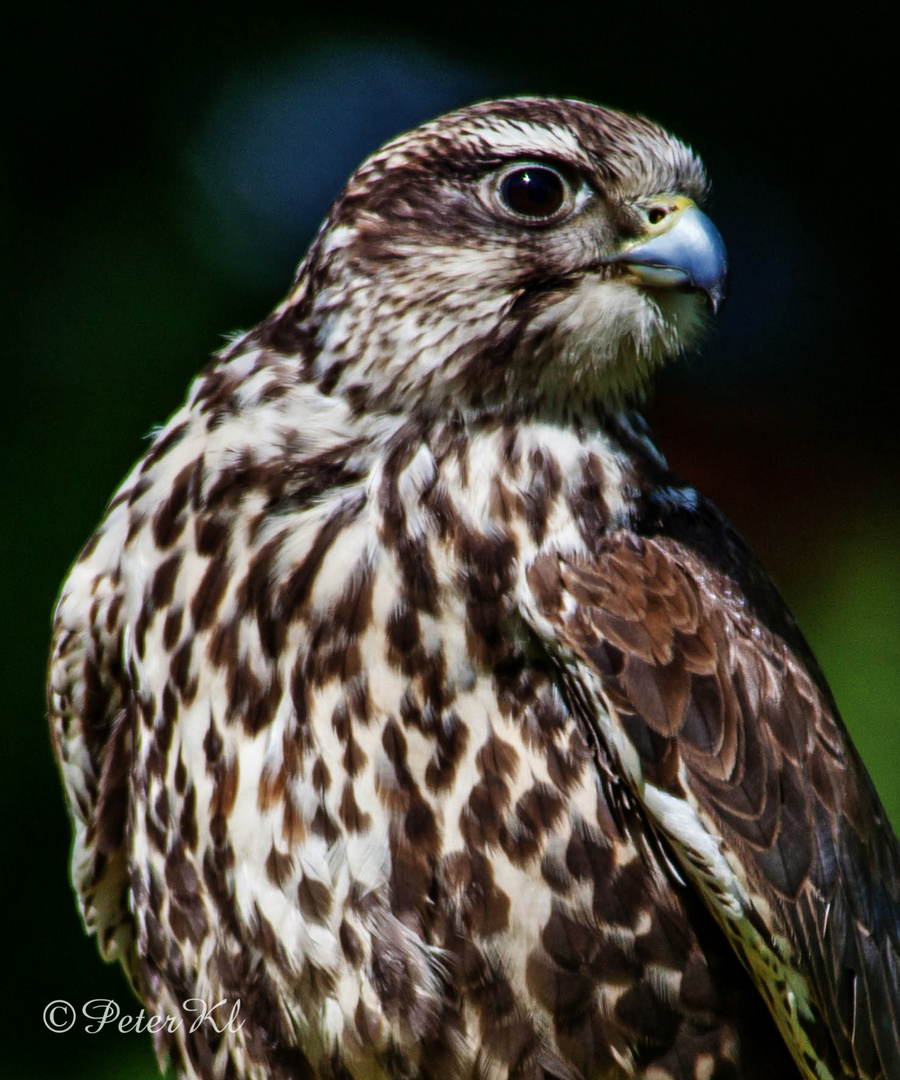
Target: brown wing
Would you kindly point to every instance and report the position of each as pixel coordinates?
(723, 714)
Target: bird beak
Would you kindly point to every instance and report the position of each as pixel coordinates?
(683, 248)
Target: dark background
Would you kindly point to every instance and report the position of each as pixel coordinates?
(162, 169)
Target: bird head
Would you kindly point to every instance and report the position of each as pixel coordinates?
(541, 253)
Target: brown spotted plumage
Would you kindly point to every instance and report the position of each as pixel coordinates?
(406, 698)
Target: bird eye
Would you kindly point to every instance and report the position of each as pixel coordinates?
(533, 191)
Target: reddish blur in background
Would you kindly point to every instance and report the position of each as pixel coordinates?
(164, 167)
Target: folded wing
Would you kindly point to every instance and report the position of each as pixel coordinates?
(732, 743)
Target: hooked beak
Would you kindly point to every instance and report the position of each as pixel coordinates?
(683, 248)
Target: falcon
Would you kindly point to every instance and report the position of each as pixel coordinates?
(416, 719)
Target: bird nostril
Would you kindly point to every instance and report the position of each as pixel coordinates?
(656, 215)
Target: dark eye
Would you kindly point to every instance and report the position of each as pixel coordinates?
(533, 191)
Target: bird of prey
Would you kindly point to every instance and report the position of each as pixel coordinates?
(408, 704)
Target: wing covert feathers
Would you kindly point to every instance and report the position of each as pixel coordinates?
(721, 713)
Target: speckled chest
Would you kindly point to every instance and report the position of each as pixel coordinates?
(256, 606)
(340, 683)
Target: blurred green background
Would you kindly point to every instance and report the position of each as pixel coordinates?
(162, 169)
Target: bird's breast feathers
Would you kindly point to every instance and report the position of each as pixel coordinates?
(329, 702)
